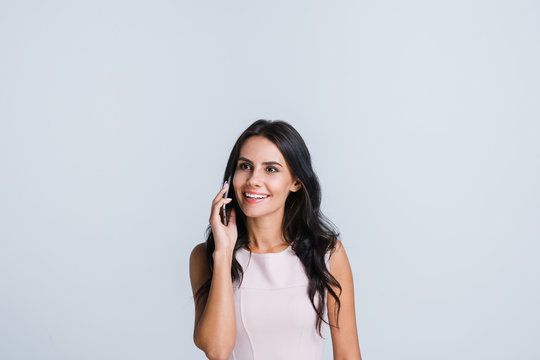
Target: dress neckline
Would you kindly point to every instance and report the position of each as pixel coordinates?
(272, 253)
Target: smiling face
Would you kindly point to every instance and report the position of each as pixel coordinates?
(262, 180)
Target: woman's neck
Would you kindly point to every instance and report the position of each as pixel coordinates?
(265, 233)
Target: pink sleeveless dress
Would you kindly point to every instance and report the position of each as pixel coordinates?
(275, 319)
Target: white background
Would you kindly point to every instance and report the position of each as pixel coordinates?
(117, 118)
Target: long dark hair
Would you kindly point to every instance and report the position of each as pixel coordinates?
(310, 234)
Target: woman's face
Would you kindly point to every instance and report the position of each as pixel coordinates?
(262, 180)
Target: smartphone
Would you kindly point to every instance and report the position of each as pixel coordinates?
(224, 217)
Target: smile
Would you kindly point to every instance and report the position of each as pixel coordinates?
(254, 198)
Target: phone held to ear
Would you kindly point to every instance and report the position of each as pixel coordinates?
(224, 216)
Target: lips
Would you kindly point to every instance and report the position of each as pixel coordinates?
(253, 197)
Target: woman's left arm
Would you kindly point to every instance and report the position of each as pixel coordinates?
(344, 338)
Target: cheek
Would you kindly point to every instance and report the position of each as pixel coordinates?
(237, 180)
(280, 189)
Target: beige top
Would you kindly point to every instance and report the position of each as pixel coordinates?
(274, 316)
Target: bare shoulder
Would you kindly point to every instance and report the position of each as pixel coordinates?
(199, 270)
(339, 246)
(338, 258)
(198, 251)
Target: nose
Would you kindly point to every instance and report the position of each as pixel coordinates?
(254, 179)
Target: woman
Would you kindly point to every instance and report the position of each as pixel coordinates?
(265, 283)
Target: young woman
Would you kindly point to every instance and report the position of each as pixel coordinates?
(266, 283)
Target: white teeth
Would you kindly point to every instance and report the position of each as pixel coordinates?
(253, 196)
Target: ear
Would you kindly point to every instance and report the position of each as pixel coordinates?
(297, 185)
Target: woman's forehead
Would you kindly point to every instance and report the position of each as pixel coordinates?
(260, 149)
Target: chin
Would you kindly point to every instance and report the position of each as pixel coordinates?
(255, 213)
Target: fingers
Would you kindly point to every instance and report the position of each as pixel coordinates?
(216, 209)
(221, 193)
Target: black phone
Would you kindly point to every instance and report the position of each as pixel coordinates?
(224, 216)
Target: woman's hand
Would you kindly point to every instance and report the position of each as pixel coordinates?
(224, 236)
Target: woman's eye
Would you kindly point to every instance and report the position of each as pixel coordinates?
(245, 166)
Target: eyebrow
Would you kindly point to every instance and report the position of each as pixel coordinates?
(241, 158)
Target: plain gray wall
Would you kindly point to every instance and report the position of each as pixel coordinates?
(117, 118)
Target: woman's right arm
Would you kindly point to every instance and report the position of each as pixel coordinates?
(215, 329)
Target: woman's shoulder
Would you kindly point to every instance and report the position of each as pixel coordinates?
(339, 262)
(198, 249)
(337, 254)
(198, 253)
(199, 270)
(336, 248)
